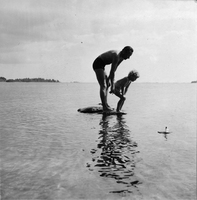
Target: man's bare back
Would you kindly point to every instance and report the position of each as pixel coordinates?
(110, 57)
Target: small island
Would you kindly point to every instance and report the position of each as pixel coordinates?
(194, 82)
(3, 79)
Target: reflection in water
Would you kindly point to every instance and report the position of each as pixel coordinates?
(115, 156)
(165, 135)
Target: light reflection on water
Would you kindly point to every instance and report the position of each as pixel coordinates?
(50, 151)
(115, 155)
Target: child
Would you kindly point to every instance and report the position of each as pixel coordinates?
(121, 87)
(113, 58)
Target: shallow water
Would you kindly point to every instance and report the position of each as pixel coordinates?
(50, 151)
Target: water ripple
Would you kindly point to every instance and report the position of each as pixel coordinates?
(115, 155)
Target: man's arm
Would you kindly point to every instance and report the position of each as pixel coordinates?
(114, 66)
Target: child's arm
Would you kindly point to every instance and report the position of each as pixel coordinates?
(124, 91)
(120, 84)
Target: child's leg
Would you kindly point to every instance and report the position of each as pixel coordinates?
(120, 104)
(121, 101)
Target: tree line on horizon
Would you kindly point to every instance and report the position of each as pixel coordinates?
(3, 79)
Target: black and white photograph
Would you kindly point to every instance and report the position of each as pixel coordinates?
(98, 99)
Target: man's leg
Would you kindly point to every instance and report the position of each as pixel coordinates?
(101, 77)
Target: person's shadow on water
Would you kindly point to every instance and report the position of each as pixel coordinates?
(115, 155)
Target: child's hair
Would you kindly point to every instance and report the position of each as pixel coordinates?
(133, 73)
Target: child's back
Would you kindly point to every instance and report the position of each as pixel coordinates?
(121, 87)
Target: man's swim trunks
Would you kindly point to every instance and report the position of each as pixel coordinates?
(98, 64)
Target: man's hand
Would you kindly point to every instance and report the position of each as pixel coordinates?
(112, 90)
(108, 82)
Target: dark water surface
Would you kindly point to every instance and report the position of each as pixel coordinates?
(50, 151)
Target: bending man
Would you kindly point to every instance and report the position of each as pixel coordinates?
(114, 58)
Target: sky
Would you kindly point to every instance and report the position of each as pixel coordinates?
(59, 39)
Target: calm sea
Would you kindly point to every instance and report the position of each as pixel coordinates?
(50, 151)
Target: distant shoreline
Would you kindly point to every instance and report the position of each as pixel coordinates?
(3, 79)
